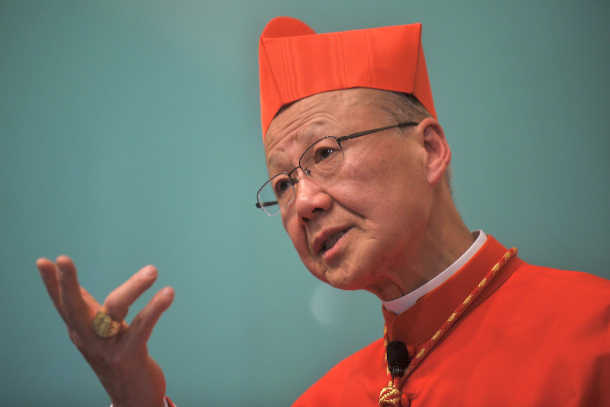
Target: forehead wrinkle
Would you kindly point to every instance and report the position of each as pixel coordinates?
(320, 110)
(301, 111)
(303, 136)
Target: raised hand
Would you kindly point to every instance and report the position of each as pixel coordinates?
(122, 363)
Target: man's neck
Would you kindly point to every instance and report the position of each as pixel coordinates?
(401, 304)
(444, 240)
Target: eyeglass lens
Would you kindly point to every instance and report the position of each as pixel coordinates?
(320, 161)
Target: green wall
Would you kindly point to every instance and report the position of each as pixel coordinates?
(129, 135)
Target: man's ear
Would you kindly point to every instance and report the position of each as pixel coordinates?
(438, 152)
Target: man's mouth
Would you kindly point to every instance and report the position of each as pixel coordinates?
(332, 240)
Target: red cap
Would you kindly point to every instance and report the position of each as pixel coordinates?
(295, 62)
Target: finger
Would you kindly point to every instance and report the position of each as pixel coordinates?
(143, 324)
(78, 314)
(48, 273)
(118, 302)
(89, 299)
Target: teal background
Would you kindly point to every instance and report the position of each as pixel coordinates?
(130, 135)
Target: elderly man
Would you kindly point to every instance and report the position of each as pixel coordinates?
(359, 173)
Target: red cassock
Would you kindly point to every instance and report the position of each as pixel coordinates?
(534, 337)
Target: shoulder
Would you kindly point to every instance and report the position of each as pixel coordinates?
(565, 288)
(542, 299)
(558, 322)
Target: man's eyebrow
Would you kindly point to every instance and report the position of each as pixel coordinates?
(302, 137)
(274, 159)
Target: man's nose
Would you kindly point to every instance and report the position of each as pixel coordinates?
(310, 198)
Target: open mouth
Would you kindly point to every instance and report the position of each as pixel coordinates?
(332, 240)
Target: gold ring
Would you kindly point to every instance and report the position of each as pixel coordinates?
(104, 326)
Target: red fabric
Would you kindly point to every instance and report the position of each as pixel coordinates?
(295, 62)
(536, 337)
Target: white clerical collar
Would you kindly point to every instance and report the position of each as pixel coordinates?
(401, 304)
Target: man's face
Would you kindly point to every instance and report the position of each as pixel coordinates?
(359, 230)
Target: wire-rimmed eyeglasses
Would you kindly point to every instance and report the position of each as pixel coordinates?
(321, 160)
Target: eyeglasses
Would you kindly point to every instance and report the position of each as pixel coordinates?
(320, 161)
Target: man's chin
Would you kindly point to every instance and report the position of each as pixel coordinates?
(342, 279)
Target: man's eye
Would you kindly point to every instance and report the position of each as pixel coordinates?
(281, 186)
(323, 153)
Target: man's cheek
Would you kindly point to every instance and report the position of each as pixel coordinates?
(299, 241)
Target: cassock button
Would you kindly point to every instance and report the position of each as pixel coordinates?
(405, 400)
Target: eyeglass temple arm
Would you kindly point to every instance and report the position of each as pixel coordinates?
(270, 203)
(364, 133)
